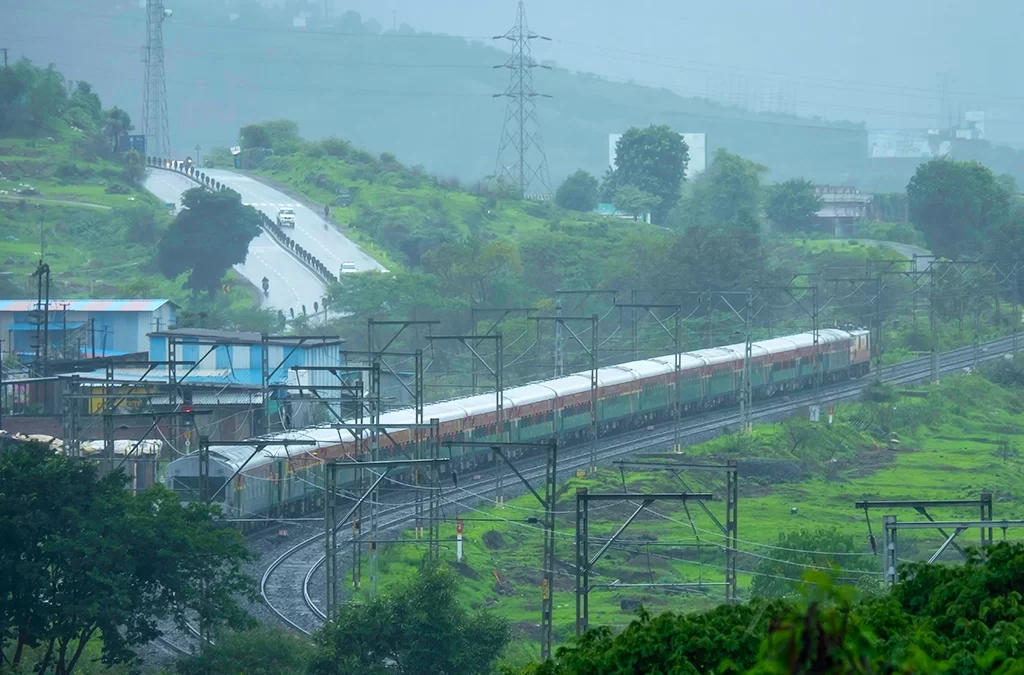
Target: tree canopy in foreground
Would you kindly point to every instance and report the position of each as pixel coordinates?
(82, 557)
(417, 629)
(957, 619)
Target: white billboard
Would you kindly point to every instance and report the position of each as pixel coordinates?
(697, 143)
(906, 144)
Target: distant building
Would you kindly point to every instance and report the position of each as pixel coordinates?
(83, 328)
(610, 211)
(223, 371)
(841, 208)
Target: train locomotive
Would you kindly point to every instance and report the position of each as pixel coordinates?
(282, 481)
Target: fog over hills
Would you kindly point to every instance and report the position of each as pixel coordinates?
(372, 78)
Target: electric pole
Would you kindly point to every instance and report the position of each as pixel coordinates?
(4, 50)
(154, 102)
(520, 133)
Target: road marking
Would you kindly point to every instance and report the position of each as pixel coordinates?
(273, 270)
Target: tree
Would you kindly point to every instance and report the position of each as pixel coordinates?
(116, 122)
(722, 257)
(955, 204)
(653, 160)
(669, 643)
(82, 556)
(263, 651)
(419, 628)
(792, 204)
(134, 167)
(823, 634)
(727, 193)
(209, 235)
(31, 99)
(473, 268)
(254, 136)
(284, 135)
(634, 201)
(780, 570)
(140, 224)
(396, 294)
(577, 192)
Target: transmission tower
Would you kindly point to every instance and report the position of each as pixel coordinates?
(154, 98)
(521, 158)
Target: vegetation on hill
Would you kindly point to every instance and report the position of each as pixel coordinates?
(428, 97)
(451, 248)
(67, 194)
(955, 440)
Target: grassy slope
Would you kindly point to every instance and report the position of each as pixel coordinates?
(468, 213)
(86, 235)
(948, 451)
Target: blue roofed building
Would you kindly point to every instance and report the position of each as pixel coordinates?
(77, 329)
(223, 371)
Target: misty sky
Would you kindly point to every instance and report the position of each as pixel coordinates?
(874, 60)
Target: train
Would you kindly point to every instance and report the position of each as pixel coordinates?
(282, 481)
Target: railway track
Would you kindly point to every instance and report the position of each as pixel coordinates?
(285, 585)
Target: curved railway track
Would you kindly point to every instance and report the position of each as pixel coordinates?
(288, 594)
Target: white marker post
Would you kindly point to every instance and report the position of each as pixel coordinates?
(831, 414)
(458, 541)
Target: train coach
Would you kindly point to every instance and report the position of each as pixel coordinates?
(281, 481)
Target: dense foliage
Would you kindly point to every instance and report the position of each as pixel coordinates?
(792, 204)
(417, 629)
(578, 192)
(955, 204)
(653, 161)
(262, 651)
(963, 619)
(728, 193)
(82, 557)
(36, 101)
(210, 234)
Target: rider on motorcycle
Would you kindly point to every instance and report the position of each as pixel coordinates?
(266, 286)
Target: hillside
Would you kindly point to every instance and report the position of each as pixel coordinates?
(68, 198)
(426, 97)
(797, 479)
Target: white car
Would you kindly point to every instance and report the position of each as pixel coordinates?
(348, 267)
(286, 218)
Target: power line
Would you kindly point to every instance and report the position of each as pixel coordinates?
(521, 130)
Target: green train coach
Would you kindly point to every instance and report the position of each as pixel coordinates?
(281, 481)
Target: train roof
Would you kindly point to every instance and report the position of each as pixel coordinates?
(328, 435)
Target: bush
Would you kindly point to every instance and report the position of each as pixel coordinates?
(901, 233)
(336, 147)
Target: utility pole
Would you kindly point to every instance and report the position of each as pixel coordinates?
(4, 50)
(43, 318)
(64, 331)
(591, 351)
(198, 148)
(676, 334)
(521, 130)
(155, 126)
(746, 395)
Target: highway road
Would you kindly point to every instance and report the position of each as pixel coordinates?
(906, 250)
(292, 285)
(328, 244)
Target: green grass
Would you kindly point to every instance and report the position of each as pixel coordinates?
(389, 199)
(948, 450)
(89, 236)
